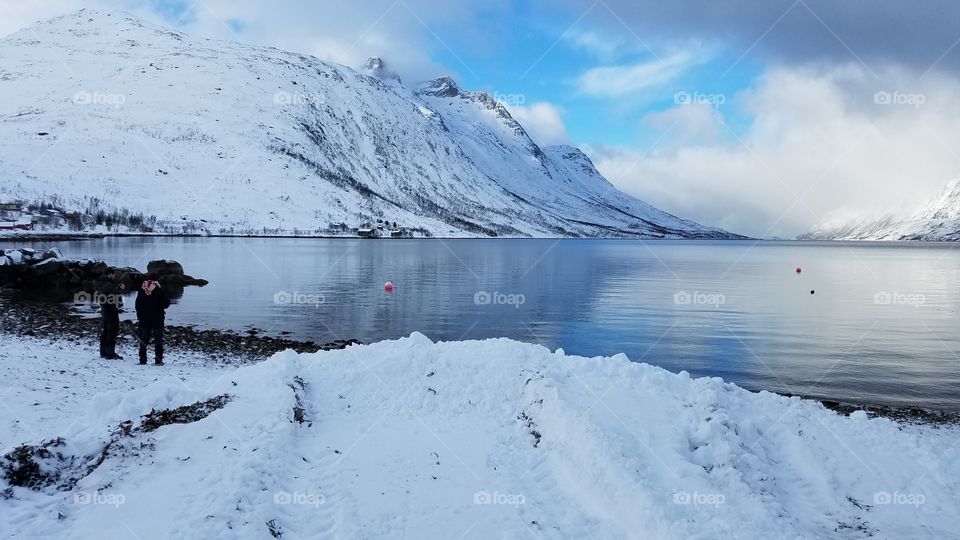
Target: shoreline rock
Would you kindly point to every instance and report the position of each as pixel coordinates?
(48, 272)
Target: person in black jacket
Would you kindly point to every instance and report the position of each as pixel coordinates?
(152, 302)
(109, 296)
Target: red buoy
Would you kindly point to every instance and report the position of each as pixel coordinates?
(798, 270)
(388, 286)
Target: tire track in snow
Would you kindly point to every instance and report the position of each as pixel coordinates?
(315, 479)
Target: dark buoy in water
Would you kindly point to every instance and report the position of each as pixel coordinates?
(799, 270)
(813, 292)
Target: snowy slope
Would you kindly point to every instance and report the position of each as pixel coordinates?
(490, 439)
(233, 138)
(936, 221)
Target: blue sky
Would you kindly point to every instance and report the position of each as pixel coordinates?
(541, 57)
(545, 64)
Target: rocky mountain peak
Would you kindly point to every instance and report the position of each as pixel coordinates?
(377, 67)
(440, 87)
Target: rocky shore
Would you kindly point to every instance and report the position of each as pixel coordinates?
(912, 415)
(59, 321)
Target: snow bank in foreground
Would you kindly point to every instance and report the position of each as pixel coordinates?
(491, 439)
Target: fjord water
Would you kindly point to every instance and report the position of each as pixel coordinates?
(866, 322)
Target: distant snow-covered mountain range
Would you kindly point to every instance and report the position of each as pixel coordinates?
(103, 114)
(936, 221)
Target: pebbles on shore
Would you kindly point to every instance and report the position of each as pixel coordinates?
(53, 320)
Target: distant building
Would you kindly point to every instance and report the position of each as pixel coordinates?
(367, 233)
(48, 217)
(10, 211)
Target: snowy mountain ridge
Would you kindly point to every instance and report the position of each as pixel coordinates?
(936, 221)
(97, 110)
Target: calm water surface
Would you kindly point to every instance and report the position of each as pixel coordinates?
(881, 325)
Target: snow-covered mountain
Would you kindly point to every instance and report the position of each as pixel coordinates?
(936, 221)
(100, 111)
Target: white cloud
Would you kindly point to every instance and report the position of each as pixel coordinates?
(403, 33)
(819, 149)
(344, 32)
(543, 122)
(605, 47)
(689, 124)
(617, 81)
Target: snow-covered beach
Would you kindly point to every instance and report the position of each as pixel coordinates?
(475, 439)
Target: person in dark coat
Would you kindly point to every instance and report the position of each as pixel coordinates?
(152, 302)
(110, 298)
